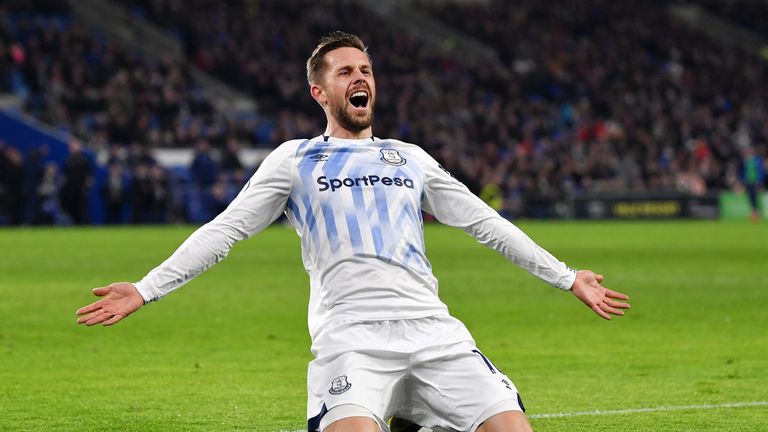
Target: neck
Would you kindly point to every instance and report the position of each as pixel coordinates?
(336, 131)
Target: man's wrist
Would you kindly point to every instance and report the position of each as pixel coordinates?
(567, 281)
(145, 291)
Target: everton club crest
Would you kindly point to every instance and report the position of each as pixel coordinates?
(392, 157)
(339, 385)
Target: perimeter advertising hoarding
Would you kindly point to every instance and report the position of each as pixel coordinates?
(645, 205)
(735, 205)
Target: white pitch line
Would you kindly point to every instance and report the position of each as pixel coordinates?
(635, 410)
(644, 410)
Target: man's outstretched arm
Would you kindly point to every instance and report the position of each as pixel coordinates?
(257, 205)
(502, 236)
(453, 204)
(587, 288)
(118, 300)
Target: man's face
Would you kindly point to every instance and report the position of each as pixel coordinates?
(349, 88)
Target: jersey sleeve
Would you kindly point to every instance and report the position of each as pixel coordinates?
(454, 204)
(257, 205)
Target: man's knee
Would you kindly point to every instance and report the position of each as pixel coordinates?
(506, 421)
(349, 418)
(353, 424)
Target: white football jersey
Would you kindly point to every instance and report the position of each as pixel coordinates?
(357, 206)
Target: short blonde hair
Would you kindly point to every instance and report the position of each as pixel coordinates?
(334, 40)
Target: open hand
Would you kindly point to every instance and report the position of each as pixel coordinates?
(601, 300)
(119, 300)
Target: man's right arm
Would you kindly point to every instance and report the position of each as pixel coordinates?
(257, 205)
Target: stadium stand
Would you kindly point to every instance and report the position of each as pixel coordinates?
(592, 96)
(118, 101)
(93, 88)
(750, 14)
(606, 95)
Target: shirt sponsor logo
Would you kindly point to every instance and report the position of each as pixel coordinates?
(335, 184)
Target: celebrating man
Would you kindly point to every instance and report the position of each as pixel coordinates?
(384, 344)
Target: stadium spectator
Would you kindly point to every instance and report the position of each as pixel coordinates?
(3, 187)
(218, 196)
(139, 154)
(48, 193)
(78, 180)
(11, 182)
(204, 169)
(115, 193)
(752, 174)
(34, 169)
(161, 195)
(230, 156)
(142, 194)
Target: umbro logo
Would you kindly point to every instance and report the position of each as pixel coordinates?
(320, 157)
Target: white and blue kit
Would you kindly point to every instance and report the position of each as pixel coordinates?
(357, 206)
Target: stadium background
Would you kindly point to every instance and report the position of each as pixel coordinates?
(547, 109)
(577, 109)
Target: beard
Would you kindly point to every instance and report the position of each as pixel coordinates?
(350, 123)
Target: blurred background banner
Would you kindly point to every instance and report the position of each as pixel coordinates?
(647, 205)
(735, 205)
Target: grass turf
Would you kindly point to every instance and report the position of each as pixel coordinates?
(229, 351)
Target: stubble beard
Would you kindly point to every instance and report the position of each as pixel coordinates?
(350, 123)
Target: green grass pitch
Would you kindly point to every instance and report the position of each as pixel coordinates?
(228, 352)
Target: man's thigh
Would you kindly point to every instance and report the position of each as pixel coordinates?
(457, 388)
(365, 380)
(507, 421)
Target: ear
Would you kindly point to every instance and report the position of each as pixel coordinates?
(318, 94)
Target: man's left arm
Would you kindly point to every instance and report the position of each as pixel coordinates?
(453, 204)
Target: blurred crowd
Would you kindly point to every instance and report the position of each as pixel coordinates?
(133, 187)
(617, 95)
(589, 95)
(98, 90)
(122, 105)
(595, 94)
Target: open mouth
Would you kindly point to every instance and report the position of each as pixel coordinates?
(359, 99)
